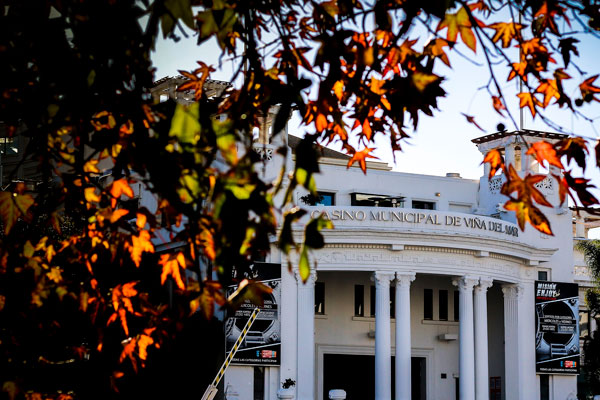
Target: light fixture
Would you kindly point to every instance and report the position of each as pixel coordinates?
(437, 194)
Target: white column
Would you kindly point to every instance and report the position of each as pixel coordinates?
(466, 346)
(526, 338)
(511, 342)
(383, 353)
(306, 337)
(403, 343)
(481, 339)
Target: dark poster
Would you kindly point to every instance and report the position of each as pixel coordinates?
(557, 327)
(262, 345)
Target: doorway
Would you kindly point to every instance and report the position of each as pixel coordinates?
(356, 375)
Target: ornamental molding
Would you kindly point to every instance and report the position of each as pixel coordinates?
(465, 283)
(428, 249)
(382, 278)
(403, 279)
(340, 259)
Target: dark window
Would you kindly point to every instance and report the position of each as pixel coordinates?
(359, 300)
(372, 298)
(456, 314)
(542, 275)
(259, 382)
(319, 298)
(544, 387)
(428, 304)
(375, 200)
(495, 388)
(423, 205)
(321, 199)
(443, 304)
(393, 302)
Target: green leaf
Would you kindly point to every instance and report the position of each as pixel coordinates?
(304, 264)
(304, 178)
(177, 9)
(226, 140)
(185, 125)
(242, 192)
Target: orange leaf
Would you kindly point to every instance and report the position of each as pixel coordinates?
(549, 88)
(117, 214)
(361, 157)
(498, 106)
(496, 161)
(527, 212)
(435, 48)
(528, 100)
(140, 244)
(321, 122)
(588, 89)
(90, 195)
(171, 264)
(141, 220)
(195, 82)
(545, 152)
(507, 31)
(118, 188)
(456, 23)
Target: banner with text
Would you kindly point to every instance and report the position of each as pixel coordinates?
(262, 345)
(557, 327)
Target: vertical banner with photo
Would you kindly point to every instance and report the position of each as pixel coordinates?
(262, 345)
(557, 327)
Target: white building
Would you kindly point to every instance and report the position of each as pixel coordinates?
(424, 289)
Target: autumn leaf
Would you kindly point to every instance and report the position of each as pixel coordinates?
(117, 188)
(498, 106)
(527, 99)
(197, 79)
(496, 161)
(527, 212)
(435, 48)
(471, 120)
(90, 195)
(14, 205)
(549, 88)
(588, 90)
(360, 157)
(506, 31)
(171, 263)
(456, 23)
(139, 244)
(566, 47)
(421, 80)
(581, 186)
(574, 148)
(545, 154)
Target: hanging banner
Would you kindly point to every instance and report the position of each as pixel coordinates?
(262, 345)
(557, 327)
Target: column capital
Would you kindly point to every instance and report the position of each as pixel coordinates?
(484, 284)
(312, 277)
(512, 291)
(403, 279)
(382, 277)
(466, 282)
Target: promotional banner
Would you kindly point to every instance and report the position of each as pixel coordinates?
(557, 327)
(262, 345)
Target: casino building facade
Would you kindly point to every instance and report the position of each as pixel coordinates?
(424, 289)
